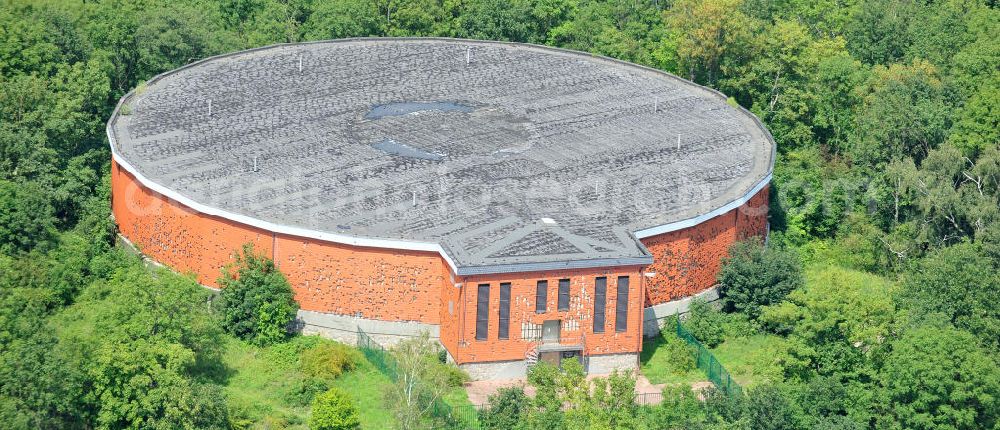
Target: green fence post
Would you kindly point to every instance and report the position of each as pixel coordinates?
(707, 362)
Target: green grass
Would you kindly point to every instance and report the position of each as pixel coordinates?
(458, 399)
(655, 364)
(256, 383)
(262, 386)
(750, 360)
(367, 385)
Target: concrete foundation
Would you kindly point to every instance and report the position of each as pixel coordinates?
(514, 369)
(653, 316)
(598, 364)
(344, 328)
(518, 369)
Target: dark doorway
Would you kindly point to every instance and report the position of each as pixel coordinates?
(551, 357)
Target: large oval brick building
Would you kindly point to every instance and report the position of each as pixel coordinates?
(518, 202)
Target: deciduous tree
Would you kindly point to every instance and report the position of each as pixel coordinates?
(256, 300)
(755, 275)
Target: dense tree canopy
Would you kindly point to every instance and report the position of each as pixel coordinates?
(940, 378)
(959, 285)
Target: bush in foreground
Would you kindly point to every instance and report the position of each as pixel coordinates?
(421, 383)
(334, 410)
(754, 276)
(506, 410)
(706, 324)
(329, 360)
(678, 356)
(256, 300)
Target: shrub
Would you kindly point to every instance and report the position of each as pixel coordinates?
(754, 276)
(241, 416)
(328, 360)
(456, 377)
(739, 325)
(289, 354)
(302, 391)
(681, 358)
(506, 409)
(256, 300)
(277, 422)
(334, 410)
(706, 324)
(680, 409)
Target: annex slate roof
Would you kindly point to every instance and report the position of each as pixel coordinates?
(466, 144)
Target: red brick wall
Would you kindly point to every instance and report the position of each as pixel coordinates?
(687, 261)
(465, 348)
(172, 234)
(398, 285)
(375, 283)
(384, 284)
(450, 307)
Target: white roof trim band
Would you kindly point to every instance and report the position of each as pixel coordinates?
(691, 222)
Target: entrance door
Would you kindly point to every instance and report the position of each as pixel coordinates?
(551, 357)
(550, 331)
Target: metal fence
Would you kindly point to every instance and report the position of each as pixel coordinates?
(377, 355)
(709, 364)
(467, 417)
(648, 399)
(464, 417)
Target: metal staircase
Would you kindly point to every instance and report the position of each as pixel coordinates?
(531, 355)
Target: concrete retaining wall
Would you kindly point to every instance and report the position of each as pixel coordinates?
(600, 364)
(653, 316)
(513, 369)
(344, 328)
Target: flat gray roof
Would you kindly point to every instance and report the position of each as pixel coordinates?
(507, 156)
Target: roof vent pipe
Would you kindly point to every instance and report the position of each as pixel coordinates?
(254, 163)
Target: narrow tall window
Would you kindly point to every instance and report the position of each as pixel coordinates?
(621, 307)
(563, 295)
(482, 311)
(503, 332)
(600, 303)
(541, 297)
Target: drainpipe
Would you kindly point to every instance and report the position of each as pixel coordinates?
(461, 314)
(642, 307)
(642, 311)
